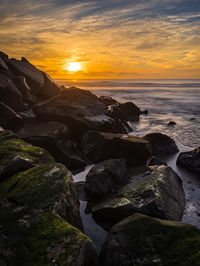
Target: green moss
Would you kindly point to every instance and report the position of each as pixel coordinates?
(49, 236)
(173, 243)
(36, 187)
(11, 146)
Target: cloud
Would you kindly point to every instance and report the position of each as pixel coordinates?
(110, 37)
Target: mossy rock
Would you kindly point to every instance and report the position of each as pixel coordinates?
(17, 155)
(143, 240)
(47, 237)
(157, 192)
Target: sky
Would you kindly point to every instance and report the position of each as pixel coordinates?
(113, 39)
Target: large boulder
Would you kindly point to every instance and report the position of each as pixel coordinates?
(55, 138)
(190, 160)
(34, 76)
(9, 119)
(107, 100)
(78, 109)
(98, 146)
(141, 240)
(40, 83)
(161, 143)
(50, 88)
(39, 210)
(9, 93)
(17, 155)
(104, 176)
(3, 65)
(126, 111)
(157, 192)
(24, 88)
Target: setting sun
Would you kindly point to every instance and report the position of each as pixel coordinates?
(74, 66)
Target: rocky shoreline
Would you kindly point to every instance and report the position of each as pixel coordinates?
(47, 132)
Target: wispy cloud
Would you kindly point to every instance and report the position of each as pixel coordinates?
(110, 37)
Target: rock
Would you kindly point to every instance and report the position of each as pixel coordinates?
(28, 116)
(50, 88)
(171, 123)
(104, 176)
(98, 146)
(155, 161)
(78, 109)
(115, 112)
(4, 56)
(107, 100)
(24, 88)
(3, 65)
(34, 77)
(55, 138)
(161, 143)
(125, 111)
(190, 160)
(9, 119)
(17, 155)
(131, 110)
(142, 240)
(39, 210)
(9, 94)
(157, 192)
(80, 190)
(145, 112)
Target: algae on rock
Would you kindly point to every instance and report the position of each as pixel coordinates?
(39, 210)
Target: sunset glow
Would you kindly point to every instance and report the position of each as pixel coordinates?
(74, 66)
(113, 39)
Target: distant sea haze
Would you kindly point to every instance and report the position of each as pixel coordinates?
(120, 83)
(166, 100)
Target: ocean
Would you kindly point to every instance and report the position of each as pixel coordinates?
(165, 100)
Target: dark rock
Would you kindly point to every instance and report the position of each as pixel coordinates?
(155, 161)
(107, 100)
(55, 138)
(131, 110)
(80, 190)
(25, 90)
(78, 109)
(192, 119)
(145, 112)
(98, 146)
(103, 177)
(9, 119)
(3, 65)
(9, 94)
(4, 56)
(171, 123)
(115, 112)
(28, 115)
(125, 111)
(161, 143)
(141, 240)
(157, 192)
(34, 77)
(190, 160)
(50, 88)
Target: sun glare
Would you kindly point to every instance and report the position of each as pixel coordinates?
(74, 66)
